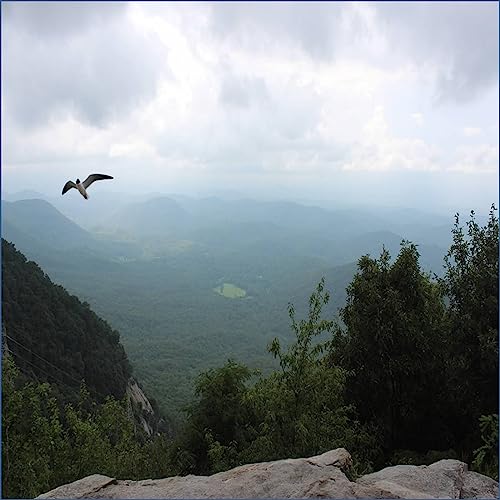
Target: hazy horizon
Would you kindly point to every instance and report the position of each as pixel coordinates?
(481, 207)
(350, 104)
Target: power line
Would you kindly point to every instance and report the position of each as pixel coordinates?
(43, 359)
(104, 396)
(38, 368)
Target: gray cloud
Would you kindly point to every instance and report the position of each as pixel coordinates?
(459, 38)
(95, 71)
(240, 92)
(59, 19)
(310, 25)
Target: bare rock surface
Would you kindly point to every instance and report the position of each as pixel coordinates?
(316, 477)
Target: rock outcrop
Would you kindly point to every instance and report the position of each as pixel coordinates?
(144, 411)
(317, 477)
(145, 415)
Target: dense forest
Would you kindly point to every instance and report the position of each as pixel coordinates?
(407, 373)
(52, 336)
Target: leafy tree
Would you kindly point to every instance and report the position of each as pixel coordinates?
(296, 411)
(33, 446)
(301, 406)
(486, 456)
(303, 393)
(471, 286)
(44, 447)
(218, 420)
(392, 347)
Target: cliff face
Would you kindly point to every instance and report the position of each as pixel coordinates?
(316, 477)
(144, 413)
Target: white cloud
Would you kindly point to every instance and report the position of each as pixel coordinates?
(418, 118)
(472, 131)
(132, 149)
(379, 150)
(478, 159)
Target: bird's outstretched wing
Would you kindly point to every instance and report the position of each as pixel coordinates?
(68, 186)
(94, 177)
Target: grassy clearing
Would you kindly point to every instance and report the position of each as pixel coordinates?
(230, 291)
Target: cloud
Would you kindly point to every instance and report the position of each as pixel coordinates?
(472, 131)
(456, 41)
(310, 27)
(96, 71)
(295, 92)
(418, 118)
(43, 20)
(379, 150)
(242, 91)
(453, 43)
(477, 159)
(132, 149)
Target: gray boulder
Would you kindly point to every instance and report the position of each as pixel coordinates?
(316, 477)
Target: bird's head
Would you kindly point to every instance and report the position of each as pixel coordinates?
(78, 181)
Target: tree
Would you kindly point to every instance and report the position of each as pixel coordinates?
(296, 411)
(301, 406)
(34, 450)
(486, 456)
(471, 287)
(44, 446)
(218, 423)
(391, 346)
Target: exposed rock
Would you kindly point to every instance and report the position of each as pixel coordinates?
(143, 412)
(83, 488)
(146, 413)
(443, 479)
(316, 477)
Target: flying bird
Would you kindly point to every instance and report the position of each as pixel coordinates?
(82, 186)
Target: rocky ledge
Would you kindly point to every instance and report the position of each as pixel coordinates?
(316, 477)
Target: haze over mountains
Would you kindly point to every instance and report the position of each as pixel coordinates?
(150, 266)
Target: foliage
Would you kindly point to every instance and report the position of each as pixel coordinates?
(44, 446)
(302, 405)
(411, 457)
(471, 286)
(55, 337)
(391, 346)
(294, 412)
(30, 423)
(218, 423)
(486, 456)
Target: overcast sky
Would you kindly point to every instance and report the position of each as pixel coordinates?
(387, 103)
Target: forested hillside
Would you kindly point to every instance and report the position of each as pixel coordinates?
(56, 338)
(65, 412)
